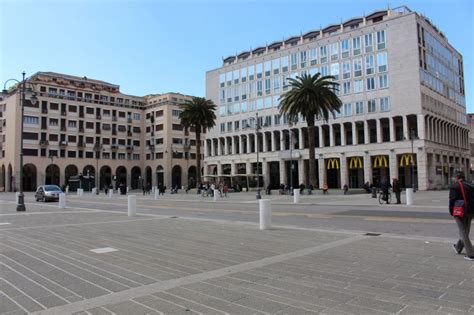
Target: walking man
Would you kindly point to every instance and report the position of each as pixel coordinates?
(397, 189)
(459, 190)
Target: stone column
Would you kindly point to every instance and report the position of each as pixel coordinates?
(393, 165)
(301, 171)
(241, 144)
(331, 135)
(206, 153)
(282, 141)
(213, 146)
(343, 135)
(226, 146)
(354, 133)
(322, 171)
(406, 132)
(367, 168)
(344, 171)
(301, 137)
(421, 126)
(219, 147)
(422, 168)
(378, 127)
(283, 172)
(391, 126)
(366, 132)
(265, 173)
(273, 137)
(321, 139)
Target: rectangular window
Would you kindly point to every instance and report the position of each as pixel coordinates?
(72, 123)
(313, 56)
(277, 119)
(384, 104)
(222, 111)
(222, 79)
(294, 61)
(276, 84)
(284, 64)
(370, 84)
(259, 88)
(229, 126)
(268, 102)
(53, 122)
(381, 40)
(236, 76)
(371, 107)
(243, 107)
(335, 70)
(345, 48)
(383, 81)
(175, 112)
(382, 61)
(357, 67)
(236, 125)
(259, 70)
(346, 87)
(368, 43)
(31, 120)
(356, 46)
(259, 103)
(359, 108)
(324, 70)
(346, 70)
(334, 51)
(369, 64)
(276, 66)
(136, 116)
(358, 86)
(348, 109)
(251, 72)
(228, 77)
(268, 68)
(243, 74)
(303, 58)
(267, 86)
(222, 127)
(323, 54)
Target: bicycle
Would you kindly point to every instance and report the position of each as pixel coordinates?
(382, 199)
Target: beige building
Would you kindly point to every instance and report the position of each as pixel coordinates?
(81, 125)
(403, 113)
(471, 142)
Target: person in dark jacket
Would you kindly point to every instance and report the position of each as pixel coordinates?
(464, 223)
(397, 189)
(384, 187)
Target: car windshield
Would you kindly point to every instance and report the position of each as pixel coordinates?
(51, 188)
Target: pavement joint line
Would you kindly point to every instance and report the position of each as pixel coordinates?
(169, 284)
(22, 292)
(36, 213)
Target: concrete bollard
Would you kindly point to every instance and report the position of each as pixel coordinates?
(17, 194)
(94, 191)
(62, 200)
(67, 189)
(111, 193)
(265, 214)
(296, 195)
(128, 189)
(157, 194)
(216, 194)
(80, 191)
(409, 196)
(153, 189)
(132, 205)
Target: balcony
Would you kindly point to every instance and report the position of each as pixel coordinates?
(129, 120)
(81, 130)
(63, 128)
(44, 110)
(129, 133)
(114, 147)
(114, 118)
(129, 148)
(81, 145)
(152, 148)
(98, 117)
(43, 143)
(63, 113)
(63, 144)
(97, 147)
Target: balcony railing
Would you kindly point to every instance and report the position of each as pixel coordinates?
(43, 143)
(63, 143)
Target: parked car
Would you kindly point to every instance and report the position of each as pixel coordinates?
(47, 193)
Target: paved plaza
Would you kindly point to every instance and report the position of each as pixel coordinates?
(183, 254)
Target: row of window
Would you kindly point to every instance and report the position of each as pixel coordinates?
(347, 109)
(341, 71)
(347, 87)
(323, 54)
(81, 154)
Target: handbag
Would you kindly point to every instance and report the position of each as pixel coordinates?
(460, 205)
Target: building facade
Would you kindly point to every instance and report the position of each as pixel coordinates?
(403, 113)
(85, 126)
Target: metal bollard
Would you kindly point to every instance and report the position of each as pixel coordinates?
(409, 192)
(157, 194)
(216, 194)
(153, 189)
(128, 189)
(17, 194)
(67, 189)
(111, 193)
(296, 195)
(93, 191)
(265, 214)
(132, 205)
(62, 200)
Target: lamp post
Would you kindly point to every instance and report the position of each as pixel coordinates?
(290, 123)
(258, 127)
(33, 99)
(89, 178)
(413, 137)
(97, 149)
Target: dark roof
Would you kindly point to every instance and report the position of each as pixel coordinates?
(259, 50)
(229, 59)
(292, 39)
(311, 34)
(376, 15)
(331, 28)
(275, 45)
(353, 21)
(244, 54)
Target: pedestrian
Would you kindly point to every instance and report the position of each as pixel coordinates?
(106, 189)
(345, 189)
(302, 187)
(226, 190)
(384, 187)
(397, 189)
(325, 188)
(461, 195)
(310, 189)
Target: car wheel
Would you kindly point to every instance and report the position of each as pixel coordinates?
(37, 199)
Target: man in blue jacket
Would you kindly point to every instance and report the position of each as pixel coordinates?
(464, 223)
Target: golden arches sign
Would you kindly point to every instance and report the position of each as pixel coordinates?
(380, 161)
(406, 160)
(333, 164)
(355, 162)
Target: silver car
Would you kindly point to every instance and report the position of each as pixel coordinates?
(47, 193)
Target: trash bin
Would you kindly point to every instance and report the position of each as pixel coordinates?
(374, 192)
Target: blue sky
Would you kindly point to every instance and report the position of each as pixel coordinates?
(159, 46)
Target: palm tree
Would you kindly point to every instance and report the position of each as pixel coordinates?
(313, 97)
(198, 114)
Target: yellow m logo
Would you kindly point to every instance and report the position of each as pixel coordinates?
(355, 162)
(333, 164)
(380, 161)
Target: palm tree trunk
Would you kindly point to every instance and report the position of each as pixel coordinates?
(198, 155)
(312, 160)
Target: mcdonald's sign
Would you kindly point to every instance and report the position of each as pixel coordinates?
(355, 162)
(333, 164)
(406, 160)
(380, 161)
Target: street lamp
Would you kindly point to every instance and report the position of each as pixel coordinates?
(258, 127)
(413, 137)
(97, 149)
(33, 99)
(290, 124)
